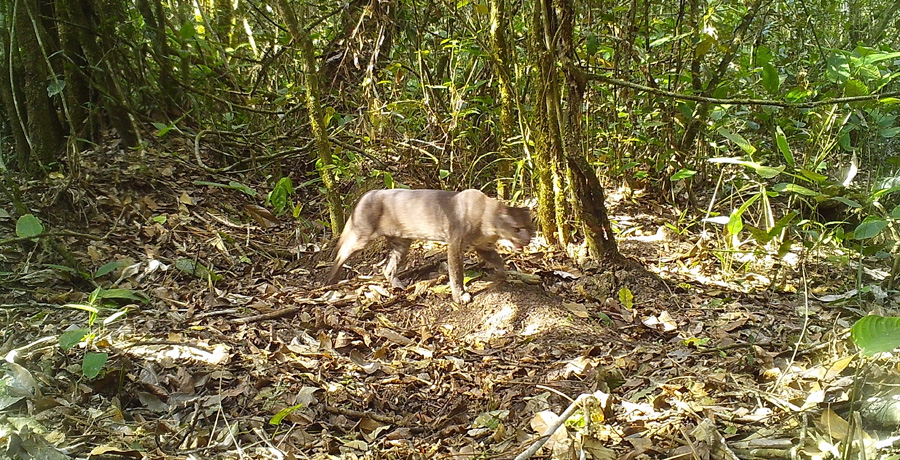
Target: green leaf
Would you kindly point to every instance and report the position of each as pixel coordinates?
(682, 174)
(735, 223)
(766, 172)
(855, 88)
(813, 176)
(869, 227)
(280, 195)
(782, 142)
(889, 133)
(794, 188)
(737, 139)
(28, 226)
(106, 268)
(232, 185)
(783, 222)
(626, 298)
(239, 186)
(93, 363)
(592, 45)
(770, 79)
(69, 339)
(277, 418)
(838, 69)
(760, 235)
(847, 201)
(895, 213)
(876, 334)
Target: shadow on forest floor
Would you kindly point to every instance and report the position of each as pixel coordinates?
(679, 361)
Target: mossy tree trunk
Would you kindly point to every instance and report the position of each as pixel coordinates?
(588, 198)
(43, 131)
(501, 64)
(553, 208)
(316, 114)
(569, 191)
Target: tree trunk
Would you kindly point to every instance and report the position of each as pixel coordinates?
(316, 117)
(11, 94)
(77, 91)
(93, 34)
(540, 127)
(501, 64)
(43, 129)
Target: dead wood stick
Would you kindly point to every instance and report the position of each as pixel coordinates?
(545, 436)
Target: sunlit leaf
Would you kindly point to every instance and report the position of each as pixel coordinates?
(277, 418)
(783, 146)
(682, 174)
(876, 334)
(737, 139)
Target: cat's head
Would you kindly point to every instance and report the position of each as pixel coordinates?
(516, 226)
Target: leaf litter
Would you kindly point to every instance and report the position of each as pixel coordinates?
(242, 353)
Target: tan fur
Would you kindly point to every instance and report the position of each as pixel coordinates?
(467, 219)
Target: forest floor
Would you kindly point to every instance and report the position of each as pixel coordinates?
(668, 354)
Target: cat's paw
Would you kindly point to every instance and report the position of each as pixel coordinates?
(464, 298)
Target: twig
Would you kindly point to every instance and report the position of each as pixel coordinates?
(545, 436)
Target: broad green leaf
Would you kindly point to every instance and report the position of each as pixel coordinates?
(93, 363)
(280, 195)
(28, 226)
(106, 268)
(735, 223)
(869, 227)
(770, 79)
(682, 174)
(239, 186)
(783, 222)
(876, 57)
(766, 172)
(737, 139)
(889, 133)
(813, 176)
(855, 88)
(895, 213)
(69, 339)
(782, 142)
(876, 334)
(838, 69)
(277, 418)
(784, 248)
(847, 201)
(799, 189)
